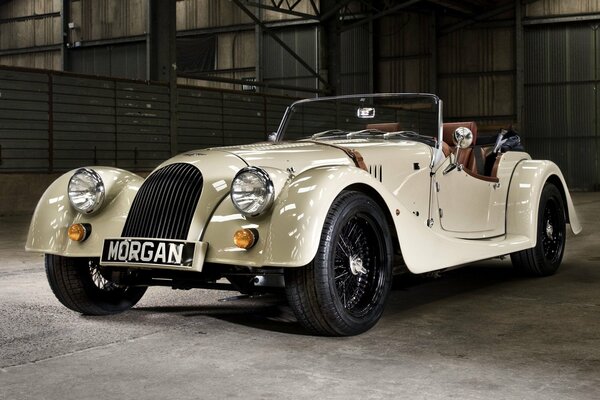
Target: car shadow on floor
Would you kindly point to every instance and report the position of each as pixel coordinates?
(409, 291)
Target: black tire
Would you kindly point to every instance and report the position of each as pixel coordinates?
(545, 258)
(79, 285)
(343, 291)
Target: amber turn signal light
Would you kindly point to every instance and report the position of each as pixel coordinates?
(245, 238)
(79, 232)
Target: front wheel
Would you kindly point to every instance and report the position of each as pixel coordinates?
(78, 283)
(545, 258)
(343, 290)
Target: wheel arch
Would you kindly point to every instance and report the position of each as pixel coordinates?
(524, 195)
(54, 214)
(289, 232)
(376, 196)
(555, 180)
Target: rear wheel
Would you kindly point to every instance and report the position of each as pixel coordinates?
(545, 258)
(78, 283)
(343, 290)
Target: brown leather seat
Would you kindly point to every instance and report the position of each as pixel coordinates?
(386, 126)
(467, 157)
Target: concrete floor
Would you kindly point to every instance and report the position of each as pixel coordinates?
(475, 333)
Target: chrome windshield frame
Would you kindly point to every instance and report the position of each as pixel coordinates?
(436, 100)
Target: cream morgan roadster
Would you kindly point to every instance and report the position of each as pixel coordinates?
(347, 191)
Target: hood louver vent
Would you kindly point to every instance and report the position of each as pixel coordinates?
(164, 206)
(376, 171)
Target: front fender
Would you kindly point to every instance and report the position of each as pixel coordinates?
(290, 232)
(524, 194)
(54, 214)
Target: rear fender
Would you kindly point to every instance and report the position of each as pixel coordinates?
(524, 194)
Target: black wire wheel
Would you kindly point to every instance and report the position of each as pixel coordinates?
(343, 290)
(545, 258)
(79, 284)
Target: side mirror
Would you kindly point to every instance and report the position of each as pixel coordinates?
(463, 137)
(272, 137)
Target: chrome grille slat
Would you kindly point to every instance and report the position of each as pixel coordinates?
(184, 209)
(164, 206)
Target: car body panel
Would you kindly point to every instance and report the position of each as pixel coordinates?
(526, 187)
(54, 214)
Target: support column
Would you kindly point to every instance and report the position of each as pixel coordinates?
(519, 61)
(258, 32)
(433, 70)
(65, 18)
(162, 54)
(330, 45)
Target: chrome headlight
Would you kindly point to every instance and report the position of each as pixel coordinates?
(86, 190)
(252, 191)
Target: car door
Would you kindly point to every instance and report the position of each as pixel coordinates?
(469, 206)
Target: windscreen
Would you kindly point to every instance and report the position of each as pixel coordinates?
(387, 116)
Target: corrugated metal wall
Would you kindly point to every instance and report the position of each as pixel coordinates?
(104, 19)
(25, 32)
(403, 47)
(356, 61)
(476, 75)
(561, 99)
(55, 121)
(280, 68)
(24, 131)
(194, 14)
(544, 8)
(126, 60)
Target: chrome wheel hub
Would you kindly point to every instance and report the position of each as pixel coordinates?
(549, 230)
(356, 266)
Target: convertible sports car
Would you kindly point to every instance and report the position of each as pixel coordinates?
(348, 191)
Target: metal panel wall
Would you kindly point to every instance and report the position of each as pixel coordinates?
(280, 68)
(403, 44)
(476, 75)
(83, 122)
(544, 8)
(103, 19)
(28, 31)
(24, 128)
(355, 62)
(193, 14)
(200, 118)
(142, 123)
(41, 60)
(216, 118)
(122, 60)
(561, 100)
(52, 121)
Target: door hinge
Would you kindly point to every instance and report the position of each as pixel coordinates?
(437, 187)
(441, 213)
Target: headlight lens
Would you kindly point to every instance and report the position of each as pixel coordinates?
(86, 190)
(252, 191)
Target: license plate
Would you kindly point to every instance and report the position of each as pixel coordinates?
(170, 253)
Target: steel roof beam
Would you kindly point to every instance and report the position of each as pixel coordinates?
(273, 35)
(281, 10)
(383, 13)
(477, 18)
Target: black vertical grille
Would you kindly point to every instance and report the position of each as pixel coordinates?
(165, 203)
